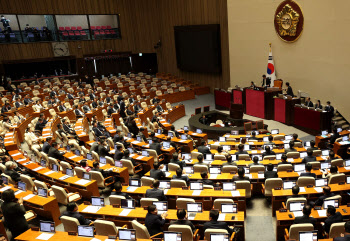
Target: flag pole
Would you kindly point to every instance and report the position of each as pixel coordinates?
(270, 47)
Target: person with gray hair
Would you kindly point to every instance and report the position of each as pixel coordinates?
(10, 166)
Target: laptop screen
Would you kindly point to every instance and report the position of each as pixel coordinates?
(161, 206)
(196, 185)
(159, 131)
(166, 144)
(222, 139)
(229, 208)
(145, 153)
(339, 129)
(299, 167)
(208, 157)
(288, 138)
(85, 231)
(127, 234)
(118, 164)
(43, 163)
(183, 137)
(127, 203)
(278, 156)
(286, 146)
(275, 131)
(215, 170)
(234, 132)
(42, 192)
(103, 160)
(288, 185)
(303, 154)
(325, 165)
(5, 180)
(199, 131)
(296, 206)
(228, 186)
(226, 148)
(345, 138)
(324, 133)
(265, 139)
(307, 144)
(325, 152)
(172, 236)
(334, 203)
(185, 128)
(70, 172)
(97, 201)
(194, 207)
(47, 226)
(89, 156)
(188, 170)
(150, 141)
(77, 153)
(246, 170)
(321, 182)
(138, 138)
(186, 156)
(347, 179)
(87, 176)
(131, 150)
(55, 167)
(164, 184)
(135, 182)
(68, 147)
(246, 147)
(308, 235)
(22, 186)
(219, 236)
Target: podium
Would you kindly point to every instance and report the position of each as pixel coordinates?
(236, 111)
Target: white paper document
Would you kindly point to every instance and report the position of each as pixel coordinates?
(235, 193)
(167, 174)
(82, 182)
(222, 217)
(196, 192)
(298, 214)
(48, 173)
(347, 168)
(165, 191)
(139, 157)
(318, 189)
(18, 192)
(135, 142)
(22, 159)
(91, 209)
(132, 189)
(125, 212)
(302, 189)
(255, 151)
(45, 236)
(261, 176)
(17, 154)
(37, 169)
(72, 157)
(213, 176)
(322, 213)
(131, 155)
(64, 177)
(28, 197)
(5, 188)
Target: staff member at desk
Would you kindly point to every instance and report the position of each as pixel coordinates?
(203, 148)
(182, 219)
(156, 173)
(326, 194)
(14, 213)
(179, 176)
(308, 102)
(333, 217)
(153, 221)
(318, 105)
(155, 192)
(306, 216)
(295, 191)
(289, 90)
(329, 108)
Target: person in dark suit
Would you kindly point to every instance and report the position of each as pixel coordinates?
(204, 120)
(240, 150)
(54, 153)
(156, 173)
(86, 108)
(153, 222)
(270, 173)
(118, 155)
(203, 148)
(283, 160)
(253, 137)
(318, 105)
(103, 149)
(53, 93)
(331, 156)
(312, 146)
(306, 216)
(156, 146)
(6, 108)
(126, 156)
(72, 211)
(329, 108)
(270, 142)
(263, 82)
(346, 234)
(111, 109)
(240, 177)
(13, 212)
(205, 179)
(255, 162)
(159, 108)
(67, 128)
(78, 113)
(155, 192)
(268, 152)
(70, 96)
(96, 168)
(143, 137)
(94, 104)
(229, 161)
(39, 126)
(10, 171)
(176, 160)
(291, 147)
(326, 194)
(308, 168)
(309, 157)
(214, 224)
(47, 145)
(308, 102)
(289, 89)
(181, 219)
(179, 176)
(333, 217)
(96, 130)
(334, 137)
(27, 100)
(295, 191)
(61, 107)
(118, 190)
(200, 159)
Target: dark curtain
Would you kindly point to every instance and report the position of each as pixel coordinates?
(113, 65)
(89, 67)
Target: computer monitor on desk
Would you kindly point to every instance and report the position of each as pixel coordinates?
(86, 231)
(127, 234)
(172, 236)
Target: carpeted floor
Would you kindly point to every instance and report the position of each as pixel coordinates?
(259, 224)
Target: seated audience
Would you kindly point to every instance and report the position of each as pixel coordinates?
(179, 176)
(332, 217)
(154, 222)
(307, 173)
(309, 157)
(205, 179)
(156, 173)
(326, 194)
(72, 211)
(214, 224)
(270, 173)
(155, 192)
(240, 177)
(83, 164)
(295, 191)
(182, 219)
(306, 216)
(229, 161)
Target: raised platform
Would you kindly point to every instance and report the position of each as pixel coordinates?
(214, 132)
